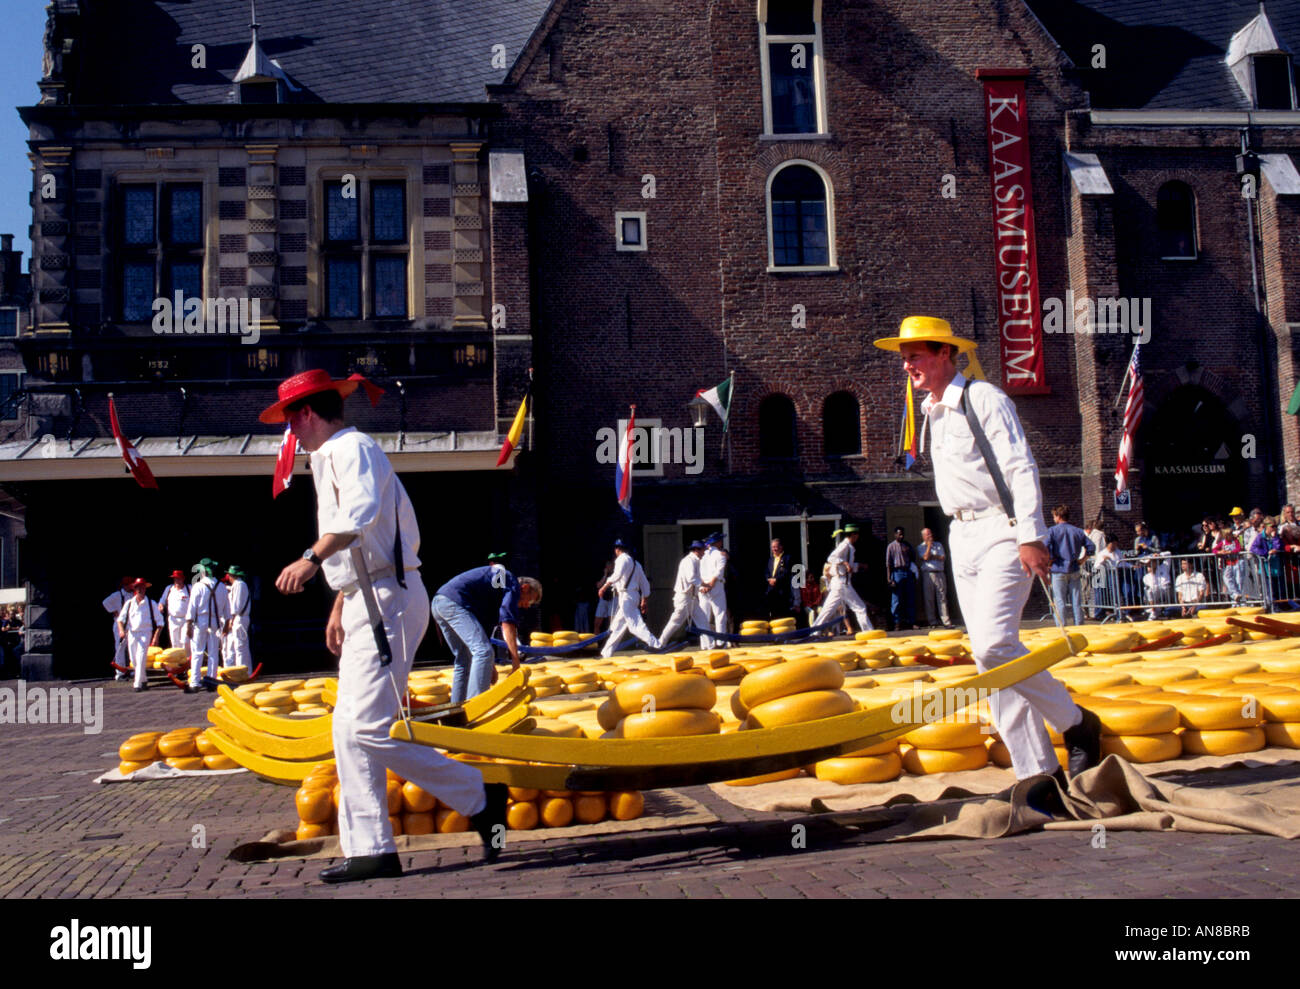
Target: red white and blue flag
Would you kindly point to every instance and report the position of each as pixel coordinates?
(1132, 419)
(284, 463)
(623, 471)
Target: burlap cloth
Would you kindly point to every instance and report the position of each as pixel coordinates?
(663, 809)
(1115, 793)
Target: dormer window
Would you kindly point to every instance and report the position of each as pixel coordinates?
(259, 92)
(1274, 86)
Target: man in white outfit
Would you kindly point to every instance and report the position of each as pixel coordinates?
(687, 609)
(843, 565)
(241, 606)
(140, 623)
(713, 588)
(202, 620)
(631, 588)
(362, 509)
(173, 605)
(221, 595)
(994, 557)
(113, 605)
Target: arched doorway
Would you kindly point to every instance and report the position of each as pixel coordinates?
(1191, 462)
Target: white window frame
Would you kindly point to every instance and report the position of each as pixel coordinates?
(656, 468)
(819, 69)
(803, 521)
(831, 265)
(619, 243)
(726, 527)
(19, 375)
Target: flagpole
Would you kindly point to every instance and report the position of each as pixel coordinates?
(1128, 368)
(530, 408)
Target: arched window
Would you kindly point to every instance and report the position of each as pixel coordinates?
(790, 54)
(1176, 221)
(776, 428)
(841, 434)
(799, 218)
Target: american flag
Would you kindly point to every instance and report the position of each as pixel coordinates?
(1132, 418)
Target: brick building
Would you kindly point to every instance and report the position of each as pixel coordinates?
(640, 200)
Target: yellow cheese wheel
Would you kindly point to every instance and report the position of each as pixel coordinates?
(1138, 719)
(1156, 674)
(1226, 649)
(794, 677)
(128, 766)
(143, 751)
(880, 748)
(577, 678)
(448, 821)
(187, 763)
(1281, 707)
(419, 822)
(1208, 713)
(737, 707)
(729, 674)
(521, 816)
(522, 794)
(922, 762)
(784, 774)
(179, 748)
(671, 691)
(204, 746)
(626, 805)
(681, 663)
(590, 809)
(671, 723)
(416, 800)
(1126, 691)
(557, 728)
(1099, 641)
(556, 812)
(219, 760)
(869, 634)
(945, 634)
(861, 769)
(307, 831)
(314, 806)
(1143, 748)
(1000, 755)
(1284, 735)
(1279, 664)
(958, 733)
(797, 708)
(306, 695)
(1228, 668)
(394, 794)
(754, 623)
(1194, 686)
(273, 698)
(1224, 742)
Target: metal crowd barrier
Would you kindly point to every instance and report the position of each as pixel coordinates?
(1119, 590)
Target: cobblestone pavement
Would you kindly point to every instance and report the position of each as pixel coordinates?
(63, 836)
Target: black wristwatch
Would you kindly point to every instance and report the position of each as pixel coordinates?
(310, 555)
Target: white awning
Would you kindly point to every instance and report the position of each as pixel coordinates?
(1281, 173)
(1087, 174)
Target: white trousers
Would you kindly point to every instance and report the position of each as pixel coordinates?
(137, 647)
(714, 603)
(176, 629)
(368, 706)
(843, 595)
(992, 590)
(204, 650)
(120, 655)
(686, 611)
(237, 650)
(627, 618)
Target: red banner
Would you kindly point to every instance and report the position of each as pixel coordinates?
(1015, 260)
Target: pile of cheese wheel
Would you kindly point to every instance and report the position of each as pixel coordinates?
(181, 748)
(159, 657)
(757, 626)
(415, 811)
(287, 698)
(544, 640)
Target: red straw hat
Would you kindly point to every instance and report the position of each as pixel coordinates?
(178, 573)
(312, 383)
(140, 582)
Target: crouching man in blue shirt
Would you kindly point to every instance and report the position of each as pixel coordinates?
(466, 607)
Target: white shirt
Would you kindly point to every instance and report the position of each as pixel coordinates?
(841, 560)
(1190, 587)
(203, 609)
(175, 601)
(136, 616)
(935, 563)
(961, 477)
(240, 600)
(1156, 583)
(640, 582)
(115, 601)
(624, 571)
(688, 575)
(222, 594)
(358, 493)
(713, 567)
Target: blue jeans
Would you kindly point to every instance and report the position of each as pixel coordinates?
(902, 598)
(474, 655)
(1068, 586)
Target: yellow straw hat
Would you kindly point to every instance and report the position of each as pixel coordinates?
(925, 329)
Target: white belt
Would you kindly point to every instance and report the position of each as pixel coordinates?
(970, 514)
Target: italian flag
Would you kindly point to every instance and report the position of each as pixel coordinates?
(516, 429)
(719, 396)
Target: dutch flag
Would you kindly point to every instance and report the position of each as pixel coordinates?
(623, 472)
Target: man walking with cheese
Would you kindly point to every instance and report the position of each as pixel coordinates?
(687, 609)
(843, 596)
(713, 588)
(367, 545)
(140, 622)
(977, 446)
(631, 588)
(173, 605)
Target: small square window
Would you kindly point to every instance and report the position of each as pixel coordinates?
(343, 288)
(8, 322)
(629, 231)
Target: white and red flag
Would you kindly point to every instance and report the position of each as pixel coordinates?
(284, 463)
(623, 472)
(130, 455)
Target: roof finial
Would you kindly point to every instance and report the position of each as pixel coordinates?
(254, 25)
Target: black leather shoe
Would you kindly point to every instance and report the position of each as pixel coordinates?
(364, 867)
(486, 821)
(1083, 742)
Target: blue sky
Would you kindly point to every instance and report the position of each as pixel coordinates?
(20, 71)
